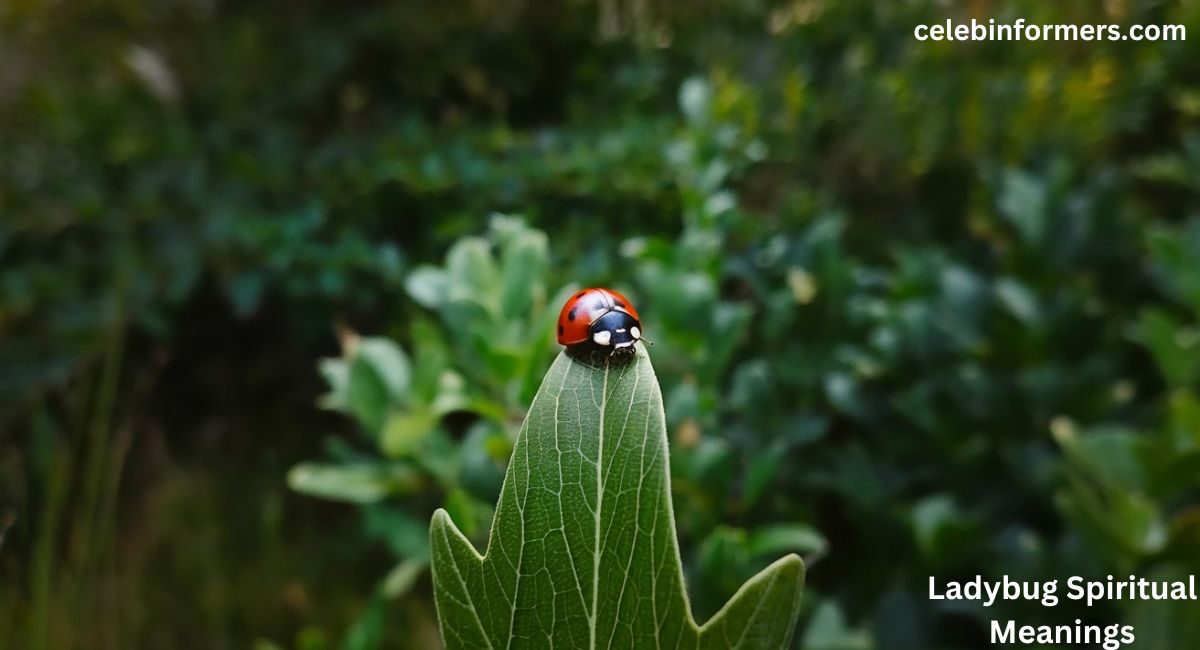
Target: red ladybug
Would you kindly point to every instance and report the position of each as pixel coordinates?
(599, 318)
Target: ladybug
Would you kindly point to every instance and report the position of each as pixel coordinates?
(599, 319)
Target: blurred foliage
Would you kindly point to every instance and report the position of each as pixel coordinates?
(919, 308)
(494, 307)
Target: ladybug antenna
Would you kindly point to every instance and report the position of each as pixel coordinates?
(646, 340)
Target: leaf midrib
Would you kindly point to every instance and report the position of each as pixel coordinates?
(638, 503)
(599, 508)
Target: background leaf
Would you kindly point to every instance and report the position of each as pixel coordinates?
(363, 483)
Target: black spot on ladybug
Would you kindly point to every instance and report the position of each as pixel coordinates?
(560, 329)
(570, 315)
(621, 304)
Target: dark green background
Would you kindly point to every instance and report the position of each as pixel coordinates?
(920, 308)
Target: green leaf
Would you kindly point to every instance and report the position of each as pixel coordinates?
(428, 285)
(1024, 201)
(389, 362)
(798, 538)
(473, 272)
(524, 254)
(403, 432)
(1018, 300)
(583, 550)
(1173, 251)
(1185, 418)
(403, 576)
(761, 472)
(378, 377)
(337, 374)
(366, 397)
(367, 632)
(361, 483)
(695, 99)
(941, 528)
(1175, 347)
(828, 630)
(406, 535)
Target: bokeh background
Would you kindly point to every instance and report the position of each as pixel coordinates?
(277, 279)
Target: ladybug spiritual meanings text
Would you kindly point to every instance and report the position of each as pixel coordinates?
(597, 320)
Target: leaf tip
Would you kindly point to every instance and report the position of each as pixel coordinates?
(788, 569)
(777, 587)
(440, 518)
(791, 565)
(446, 535)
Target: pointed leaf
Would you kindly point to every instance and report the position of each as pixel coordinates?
(583, 552)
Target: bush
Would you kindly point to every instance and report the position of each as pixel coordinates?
(938, 294)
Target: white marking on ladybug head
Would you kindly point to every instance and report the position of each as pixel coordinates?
(635, 332)
(603, 337)
(626, 344)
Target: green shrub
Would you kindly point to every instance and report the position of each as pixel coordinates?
(938, 294)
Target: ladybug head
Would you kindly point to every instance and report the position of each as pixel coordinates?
(615, 328)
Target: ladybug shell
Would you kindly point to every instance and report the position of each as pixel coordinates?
(585, 308)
